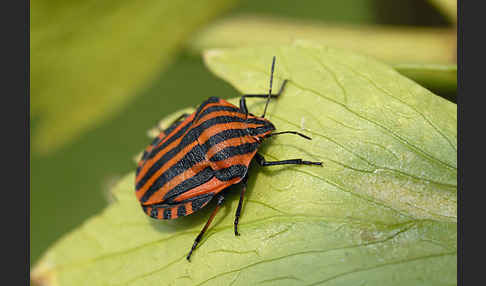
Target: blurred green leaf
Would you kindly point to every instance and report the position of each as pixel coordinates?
(396, 45)
(420, 48)
(90, 57)
(447, 7)
(343, 11)
(381, 211)
(441, 78)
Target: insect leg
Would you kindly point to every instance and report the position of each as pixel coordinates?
(240, 203)
(172, 125)
(260, 160)
(244, 96)
(220, 201)
(179, 118)
(289, 132)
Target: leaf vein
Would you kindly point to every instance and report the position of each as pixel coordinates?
(364, 269)
(398, 137)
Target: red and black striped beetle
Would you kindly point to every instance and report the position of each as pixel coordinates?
(202, 154)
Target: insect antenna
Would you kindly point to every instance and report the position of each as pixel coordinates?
(270, 91)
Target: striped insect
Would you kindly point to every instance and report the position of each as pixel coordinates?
(200, 155)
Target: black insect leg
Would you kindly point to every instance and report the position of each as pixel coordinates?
(179, 118)
(173, 124)
(220, 200)
(240, 203)
(260, 160)
(243, 107)
(289, 132)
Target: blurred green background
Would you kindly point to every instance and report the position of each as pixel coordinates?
(71, 171)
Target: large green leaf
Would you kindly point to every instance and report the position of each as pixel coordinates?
(380, 211)
(426, 55)
(89, 58)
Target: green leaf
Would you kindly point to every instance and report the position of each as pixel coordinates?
(441, 78)
(430, 51)
(380, 211)
(89, 58)
(447, 7)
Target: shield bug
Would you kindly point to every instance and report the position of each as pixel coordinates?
(201, 154)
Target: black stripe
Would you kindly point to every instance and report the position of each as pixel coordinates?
(199, 201)
(195, 181)
(189, 124)
(183, 129)
(144, 156)
(223, 136)
(260, 130)
(212, 99)
(190, 159)
(181, 210)
(194, 133)
(200, 178)
(146, 153)
(231, 172)
(234, 151)
(154, 212)
(145, 208)
(256, 121)
(233, 133)
(217, 108)
(187, 161)
(205, 197)
(190, 137)
(167, 213)
(170, 140)
(155, 141)
(172, 127)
